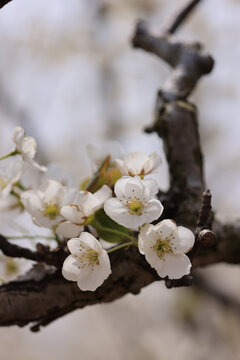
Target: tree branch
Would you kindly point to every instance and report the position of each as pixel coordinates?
(181, 16)
(4, 2)
(43, 295)
(43, 253)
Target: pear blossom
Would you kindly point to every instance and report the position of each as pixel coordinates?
(78, 213)
(88, 263)
(10, 172)
(98, 154)
(45, 204)
(134, 204)
(139, 163)
(164, 246)
(26, 146)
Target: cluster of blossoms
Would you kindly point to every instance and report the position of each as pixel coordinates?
(117, 204)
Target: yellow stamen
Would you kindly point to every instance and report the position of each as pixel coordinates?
(135, 207)
(52, 211)
(162, 247)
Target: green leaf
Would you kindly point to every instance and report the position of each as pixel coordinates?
(108, 229)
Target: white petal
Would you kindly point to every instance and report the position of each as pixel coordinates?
(151, 188)
(76, 247)
(90, 204)
(184, 242)
(54, 191)
(116, 210)
(69, 230)
(91, 241)
(95, 278)
(29, 147)
(122, 167)
(72, 213)
(18, 134)
(155, 161)
(152, 211)
(135, 190)
(134, 162)
(175, 266)
(119, 187)
(31, 201)
(146, 238)
(102, 195)
(166, 229)
(70, 269)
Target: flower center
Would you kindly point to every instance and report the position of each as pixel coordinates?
(162, 247)
(3, 184)
(89, 257)
(135, 207)
(52, 211)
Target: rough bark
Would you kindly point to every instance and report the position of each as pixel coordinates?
(43, 295)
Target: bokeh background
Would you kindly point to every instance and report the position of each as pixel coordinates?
(69, 76)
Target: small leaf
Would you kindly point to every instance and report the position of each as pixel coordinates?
(108, 229)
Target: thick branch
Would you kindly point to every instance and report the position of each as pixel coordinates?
(44, 290)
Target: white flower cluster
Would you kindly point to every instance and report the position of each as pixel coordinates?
(125, 215)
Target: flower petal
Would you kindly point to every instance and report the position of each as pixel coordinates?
(155, 161)
(72, 213)
(152, 211)
(69, 230)
(103, 195)
(119, 187)
(134, 162)
(53, 191)
(18, 134)
(151, 188)
(175, 266)
(184, 242)
(70, 269)
(118, 212)
(146, 238)
(90, 241)
(28, 147)
(93, 279)
(167, 229)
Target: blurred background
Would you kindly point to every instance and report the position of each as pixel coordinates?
(69, 76)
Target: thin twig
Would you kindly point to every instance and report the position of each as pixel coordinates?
(181, 16)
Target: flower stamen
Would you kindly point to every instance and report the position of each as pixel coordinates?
(162, 247)
(52, 211)
(135, 207)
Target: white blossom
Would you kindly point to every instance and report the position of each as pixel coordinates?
(10, 172)
(77, 213)
(134, 204)
(164, 246)
(98, 153)
(27, 147)
(139, 163)
(88, 263)
(45, 204)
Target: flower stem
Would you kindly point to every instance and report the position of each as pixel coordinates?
(29, 237)
(130, 243)
(12, 153)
